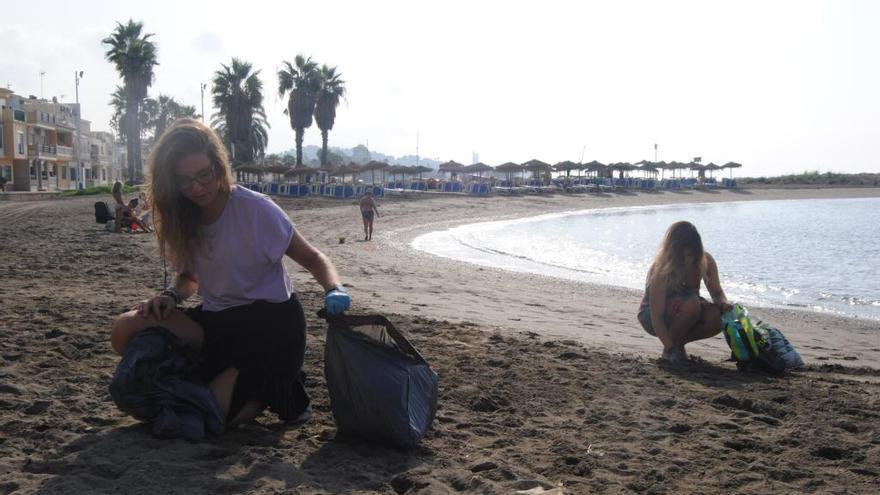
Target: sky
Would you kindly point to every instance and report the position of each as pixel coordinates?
(779, 86)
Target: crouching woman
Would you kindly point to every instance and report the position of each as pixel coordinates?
(672, 309)
(227, 244)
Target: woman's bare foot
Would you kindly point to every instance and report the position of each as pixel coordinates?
(675, 355)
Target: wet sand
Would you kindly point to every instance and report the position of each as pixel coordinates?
(545, 384)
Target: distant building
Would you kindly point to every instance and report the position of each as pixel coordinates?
(360, 154)
(46, 146)
(13, 141)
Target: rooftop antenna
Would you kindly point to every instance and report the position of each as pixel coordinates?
(42, 75)
(584, 150)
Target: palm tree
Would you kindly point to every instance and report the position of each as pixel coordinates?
(134, 56)
(238, 95)
(117, 101)
(303, 81)
(257, 137)
(332, 88)
(163, 111)
(148, 110)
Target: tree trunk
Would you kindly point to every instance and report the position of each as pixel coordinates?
(324, 134)
(132, 137)
(300, 132)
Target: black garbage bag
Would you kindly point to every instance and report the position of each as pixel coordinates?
(158, 382)
(380, 387)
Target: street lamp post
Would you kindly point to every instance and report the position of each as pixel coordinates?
(77, 75)
(203, 86)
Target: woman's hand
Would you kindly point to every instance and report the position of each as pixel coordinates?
(337, 300)
(159, 306)
(724, 306)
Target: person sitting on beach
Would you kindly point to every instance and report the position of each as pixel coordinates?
(368, 206)
(131, 218)
(120, 209)
(228, 243)
(672, 309)
(143, 212)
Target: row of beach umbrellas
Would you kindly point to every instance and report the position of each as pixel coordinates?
(454, 168)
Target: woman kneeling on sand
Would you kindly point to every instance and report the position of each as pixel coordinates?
(228, 244)
(672, 309)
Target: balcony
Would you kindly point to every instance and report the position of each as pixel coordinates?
(64, 151)
(99, 160)
(42, 150)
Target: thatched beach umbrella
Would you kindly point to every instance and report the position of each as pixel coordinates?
(276, 169)
(477, 168)
(420, 169)
(508, 168)
(621, 167)
(299, 171)
(452, 167)
(648, 167)
(662, 167)
(731, 166)
(351, 168)
(372, 166)
(697, 167)
(567, 166)
(397, 169)
(537, 167)
(248, 168)
(711, 167)
(673, 165)
(597, 167)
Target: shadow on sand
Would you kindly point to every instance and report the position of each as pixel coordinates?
(712, 375)
(252, 458)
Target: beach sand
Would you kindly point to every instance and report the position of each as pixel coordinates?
(545, 385)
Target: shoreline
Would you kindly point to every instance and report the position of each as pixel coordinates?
(520, 409)
(437, 243)
(499, 299)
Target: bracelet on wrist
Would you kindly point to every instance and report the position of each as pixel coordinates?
(173, 294)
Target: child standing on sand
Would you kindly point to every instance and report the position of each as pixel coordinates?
(672, 309)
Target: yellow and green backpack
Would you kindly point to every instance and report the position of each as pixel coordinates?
(757, 345)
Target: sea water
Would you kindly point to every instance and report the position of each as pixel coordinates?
(818, 254)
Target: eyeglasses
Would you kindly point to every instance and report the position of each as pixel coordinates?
(203, 177)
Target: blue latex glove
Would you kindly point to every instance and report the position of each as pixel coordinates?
(337, 301)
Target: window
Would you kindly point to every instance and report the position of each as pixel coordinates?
(20, 143)
(72, 173)
(64, 172)
(1, 134)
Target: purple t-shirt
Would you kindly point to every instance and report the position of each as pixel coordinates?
(241, 256)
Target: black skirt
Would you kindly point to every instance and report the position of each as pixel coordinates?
(266, 343)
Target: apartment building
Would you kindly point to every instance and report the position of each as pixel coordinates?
(47, 146)
(13, 144)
